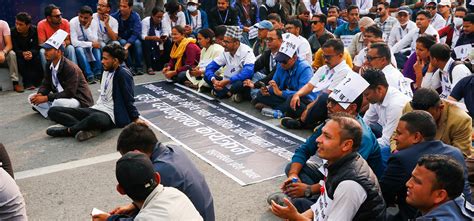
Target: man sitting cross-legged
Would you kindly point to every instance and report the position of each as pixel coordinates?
(114, 108)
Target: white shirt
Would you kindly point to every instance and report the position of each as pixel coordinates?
(244, 55)
(165, 28)
(440, 78)
(364, 6)
(410, 39)
(81, 36)
(54, 76)
(99, 25)
(313, 9)
(181, 19)
(348, 197)
(396, 79)
(105, 102)
(438, 21)
(398, 32)
(304, 50)
(327, 79)
(387, 114)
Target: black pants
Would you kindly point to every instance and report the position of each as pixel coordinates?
(318, 112)
(31, 71)
(77, 119)
(154, 58)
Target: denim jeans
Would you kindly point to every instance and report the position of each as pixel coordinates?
(96, 69)
(69, 53)
(135, 54)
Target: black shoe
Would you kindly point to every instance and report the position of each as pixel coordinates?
(91, 80)
(139, 71)
(291, 123)
(98, 78)
(57, 131)
(86, 134)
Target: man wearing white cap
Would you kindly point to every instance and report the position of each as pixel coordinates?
(291, 75)
(64, 84)
(238, 60)
(261, 44)
(444, 9)
(403, 26)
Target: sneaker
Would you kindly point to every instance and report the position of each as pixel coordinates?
(57, 131)
(139, 71)
(277, 198)
(91, 80)
(86, 134)
(30, 88)
(213, 93)
(290, 123)
(237, 98)
(260, 106)
(18, 88)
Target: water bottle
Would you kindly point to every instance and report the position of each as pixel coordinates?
(272, 113)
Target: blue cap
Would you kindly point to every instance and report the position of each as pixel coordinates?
(265, 24)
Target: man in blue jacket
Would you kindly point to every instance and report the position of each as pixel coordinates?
(414, 137)
(238, 60)
(129, 32)
(292, 73)
(114, 108)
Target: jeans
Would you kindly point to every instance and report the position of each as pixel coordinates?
(79, 119)
(256, 77)
(69, 53)
(237, 87)
(135, 54)
(86, 66)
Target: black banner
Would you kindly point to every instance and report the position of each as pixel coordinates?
(241, 146)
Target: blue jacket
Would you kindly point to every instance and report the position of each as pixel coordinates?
(400, 166)
(452, 210)
(290, 81)
(369, 148)
(130, 29)
(245, 73)
(205, 22)
(122, 93)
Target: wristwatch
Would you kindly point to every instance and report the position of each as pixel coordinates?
(307, 191)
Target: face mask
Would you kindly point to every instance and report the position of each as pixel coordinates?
(192, 8)
(457, 22)
(270, 3)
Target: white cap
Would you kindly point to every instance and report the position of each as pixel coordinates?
(349, 89)
(56, 40)
(445, 2)
(289, 45)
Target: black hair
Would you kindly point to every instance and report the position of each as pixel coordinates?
(297, 23)
(136, 137)
(279, 33)
(449, 173)
(352, 7)
(86, 10)
(179, 28)
(383, 50)
(350, 128)
(334, 6)
(425, 13)
(220, 31)
(385, 4)
(274, 16)
(322, 18)
(425, 98)
(116, 51)
(129, 2)
(440, 51)
(426, 40)
(336, 44)
(469, 18)
(375, 78)
(156, 10)
(374, 29)
(172, 7)
(48, 10)
(461, 9)
(23, 17)
(420, 121)
(358, 101)
(207, 33)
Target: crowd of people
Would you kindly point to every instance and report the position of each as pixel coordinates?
(386, 87)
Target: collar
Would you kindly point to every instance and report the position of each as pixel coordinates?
(448, 64)
(342, 161)
(55, 68)
(158, 189)
(340, 66)
(388, 96)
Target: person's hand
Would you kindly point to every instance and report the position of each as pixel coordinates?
(418, 66)
(296, 189)
(288, 181)
(276, 90)
(125, 210)
(39, 99)
(246, 29)
(295, 101)
(264, 91)
(431, 68)
(100, 217)
(106, 19)
(248, 83)
(27, 55)
(126, 46)
(170, 74)
(332, 19)
(419, 4)
(166, 69)
(2, 57)
(188, 29)
(217, 85)
(288, 212)
(140, 121)
(96, 44)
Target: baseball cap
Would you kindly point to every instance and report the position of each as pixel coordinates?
(135, 173)
(405, 9)
(445, 2)
(265, 24)
(193, 1)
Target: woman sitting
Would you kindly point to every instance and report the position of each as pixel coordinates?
(418, 63)
(209, 51)
(184, 55)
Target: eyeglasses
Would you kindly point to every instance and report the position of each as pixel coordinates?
(314, 22)
(329, 56)
(227, 42)
(370, 58)
(56, 16)
(430, 7)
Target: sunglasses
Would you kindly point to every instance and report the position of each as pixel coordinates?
(56, 16)
(370, 58)
(329, 56)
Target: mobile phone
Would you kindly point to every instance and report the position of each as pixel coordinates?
(258, 85)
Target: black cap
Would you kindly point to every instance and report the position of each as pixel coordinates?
(135, 173)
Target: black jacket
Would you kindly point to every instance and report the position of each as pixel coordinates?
(354, 167)
(262, 64)
(217, 18)
(252, 13)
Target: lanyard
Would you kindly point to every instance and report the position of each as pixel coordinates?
(100, 25)
(83, 34)
(226, 14)
(106, 85)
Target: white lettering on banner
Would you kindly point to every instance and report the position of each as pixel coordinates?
(223, 122)
(235, 165)
(203, 113)
(223, 140)
(147, 98)
(177, 115)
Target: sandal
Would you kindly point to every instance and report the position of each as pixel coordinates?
(150, 71)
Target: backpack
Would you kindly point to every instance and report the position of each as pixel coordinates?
(468, 64)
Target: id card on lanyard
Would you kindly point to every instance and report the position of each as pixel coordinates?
(108, 80)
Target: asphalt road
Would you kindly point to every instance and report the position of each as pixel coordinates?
(62, 179)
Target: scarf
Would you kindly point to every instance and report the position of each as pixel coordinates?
(177, 52)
